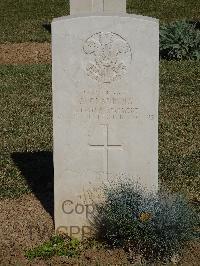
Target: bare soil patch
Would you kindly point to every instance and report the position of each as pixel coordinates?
(25, 224)
(25, 53)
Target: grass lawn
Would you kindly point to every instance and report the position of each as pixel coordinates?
(25, 20)
(26, 131)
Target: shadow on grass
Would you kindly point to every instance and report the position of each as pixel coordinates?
(47, 27)
(37, 168)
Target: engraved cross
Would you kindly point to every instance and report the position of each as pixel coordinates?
(106, 147)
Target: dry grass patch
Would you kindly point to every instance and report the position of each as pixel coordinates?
(25, 53)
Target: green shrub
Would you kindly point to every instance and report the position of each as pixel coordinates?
(157, 226)
(180, 40)
(56, 246)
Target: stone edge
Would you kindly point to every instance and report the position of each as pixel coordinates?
(150, 19)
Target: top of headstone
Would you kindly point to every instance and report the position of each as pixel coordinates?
(97, 6)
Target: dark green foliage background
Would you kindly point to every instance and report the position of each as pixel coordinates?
(180, 40)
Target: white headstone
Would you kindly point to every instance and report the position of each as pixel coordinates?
(97, 6)
(105, 103)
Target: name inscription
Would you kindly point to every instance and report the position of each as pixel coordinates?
(106, 105)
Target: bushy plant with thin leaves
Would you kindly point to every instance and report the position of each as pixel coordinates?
(157, 226)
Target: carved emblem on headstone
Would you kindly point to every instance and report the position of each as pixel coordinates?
(110, 56)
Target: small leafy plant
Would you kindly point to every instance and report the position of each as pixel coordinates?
(56, 246)
(63, 245)
(180, 41)
(156, 226)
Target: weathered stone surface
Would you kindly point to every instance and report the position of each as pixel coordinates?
(105, 100)
(97, 6)
(115, 6)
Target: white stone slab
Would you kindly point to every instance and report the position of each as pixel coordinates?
(115, 6)
(85, 6)
(105, 105)
(97, 6)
